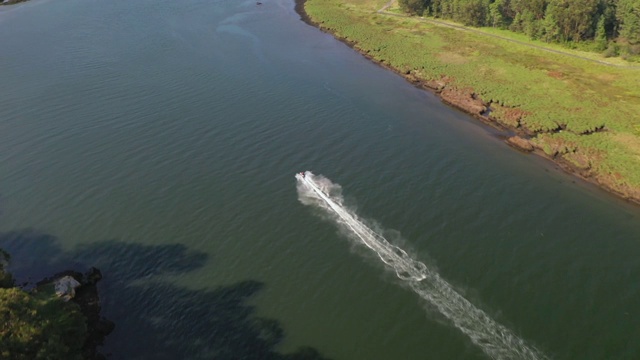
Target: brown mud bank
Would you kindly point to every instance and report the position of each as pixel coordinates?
(513, 131)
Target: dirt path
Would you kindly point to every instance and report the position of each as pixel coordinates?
(384, 11)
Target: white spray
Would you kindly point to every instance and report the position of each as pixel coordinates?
(494, 339)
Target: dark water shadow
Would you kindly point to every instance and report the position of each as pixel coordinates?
(155, 319)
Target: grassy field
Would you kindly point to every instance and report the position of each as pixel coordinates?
(582, 113)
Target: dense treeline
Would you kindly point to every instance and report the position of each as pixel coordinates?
(612, 25)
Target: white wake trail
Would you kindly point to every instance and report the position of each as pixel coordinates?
(494, 339)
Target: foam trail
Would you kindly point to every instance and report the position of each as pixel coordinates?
(494, 339)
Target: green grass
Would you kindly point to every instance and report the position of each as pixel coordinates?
(555, 91)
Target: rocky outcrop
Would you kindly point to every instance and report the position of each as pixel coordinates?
(65, 287)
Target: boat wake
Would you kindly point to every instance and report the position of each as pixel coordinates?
(495, 340)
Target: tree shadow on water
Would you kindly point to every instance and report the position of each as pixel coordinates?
(155, 319)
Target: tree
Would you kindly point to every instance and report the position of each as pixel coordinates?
(471, 12)
(496, 14)
(628, 15)
(575, 19)
(536, 8)
(601, 35)
(415, 7)
(550, 30)
(550, 20)
(608, 11)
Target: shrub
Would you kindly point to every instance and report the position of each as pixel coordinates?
(613, 50)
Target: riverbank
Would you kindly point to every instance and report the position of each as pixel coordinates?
(581, 115)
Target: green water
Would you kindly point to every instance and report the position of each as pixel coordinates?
(159, 140)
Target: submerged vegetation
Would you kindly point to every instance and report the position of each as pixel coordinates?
(567, 105)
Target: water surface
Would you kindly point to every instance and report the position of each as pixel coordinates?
(158, 140)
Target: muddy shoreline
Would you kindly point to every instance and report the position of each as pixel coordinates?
(510, 130)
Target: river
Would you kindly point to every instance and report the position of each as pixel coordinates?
(158, 141)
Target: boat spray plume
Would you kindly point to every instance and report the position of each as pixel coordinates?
(495, 340)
